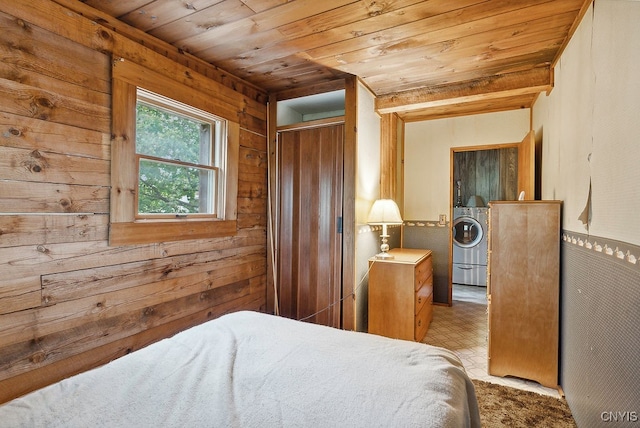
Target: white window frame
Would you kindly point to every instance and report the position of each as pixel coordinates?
(218, 150)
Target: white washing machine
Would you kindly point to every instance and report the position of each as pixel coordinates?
(469, 246)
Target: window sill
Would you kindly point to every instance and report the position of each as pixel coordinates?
(149, 232)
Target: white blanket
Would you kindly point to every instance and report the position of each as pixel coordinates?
(248, 369)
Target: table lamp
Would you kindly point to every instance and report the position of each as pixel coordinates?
(384, 212)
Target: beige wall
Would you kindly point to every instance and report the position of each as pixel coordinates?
(427, 155)
(590, 124)
(368, 164)
(367, 191)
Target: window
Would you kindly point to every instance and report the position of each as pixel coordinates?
(180, 157)
(174, 158)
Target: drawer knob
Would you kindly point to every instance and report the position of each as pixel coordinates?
(419, 323)
(419, 300)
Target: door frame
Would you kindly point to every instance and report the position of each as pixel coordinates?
(452, 152)
(349, 84)
(333, 253)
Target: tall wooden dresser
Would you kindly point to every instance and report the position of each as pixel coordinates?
(524, 290)
(401, 294)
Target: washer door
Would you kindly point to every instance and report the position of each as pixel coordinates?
(467, 232)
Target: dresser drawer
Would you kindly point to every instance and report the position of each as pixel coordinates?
(423, 295)
(423, 272)
(423, 319)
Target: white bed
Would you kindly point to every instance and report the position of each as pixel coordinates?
(248, 369)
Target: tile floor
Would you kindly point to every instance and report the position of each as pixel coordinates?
(462, 328)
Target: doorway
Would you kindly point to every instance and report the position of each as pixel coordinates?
(479, 174)
(309, 257)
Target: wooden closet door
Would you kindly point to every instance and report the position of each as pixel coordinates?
(310, 211)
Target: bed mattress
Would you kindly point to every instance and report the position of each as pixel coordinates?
(248, 369)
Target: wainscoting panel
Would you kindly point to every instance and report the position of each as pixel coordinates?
(600, 330)
(432, 236)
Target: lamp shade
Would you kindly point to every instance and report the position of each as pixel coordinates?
(384, 211)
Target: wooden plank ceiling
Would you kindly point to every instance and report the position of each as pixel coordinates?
(421, 58)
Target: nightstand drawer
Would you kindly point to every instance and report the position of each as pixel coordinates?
(423, 319)
(424, 271)
(422, 296)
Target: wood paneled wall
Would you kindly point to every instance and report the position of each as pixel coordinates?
(489, 173)
(68, 300)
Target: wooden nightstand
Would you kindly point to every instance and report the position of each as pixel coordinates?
(401, 294)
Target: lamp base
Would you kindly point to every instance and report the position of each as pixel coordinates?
(384, 256)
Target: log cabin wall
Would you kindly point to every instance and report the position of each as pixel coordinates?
(68, 300)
